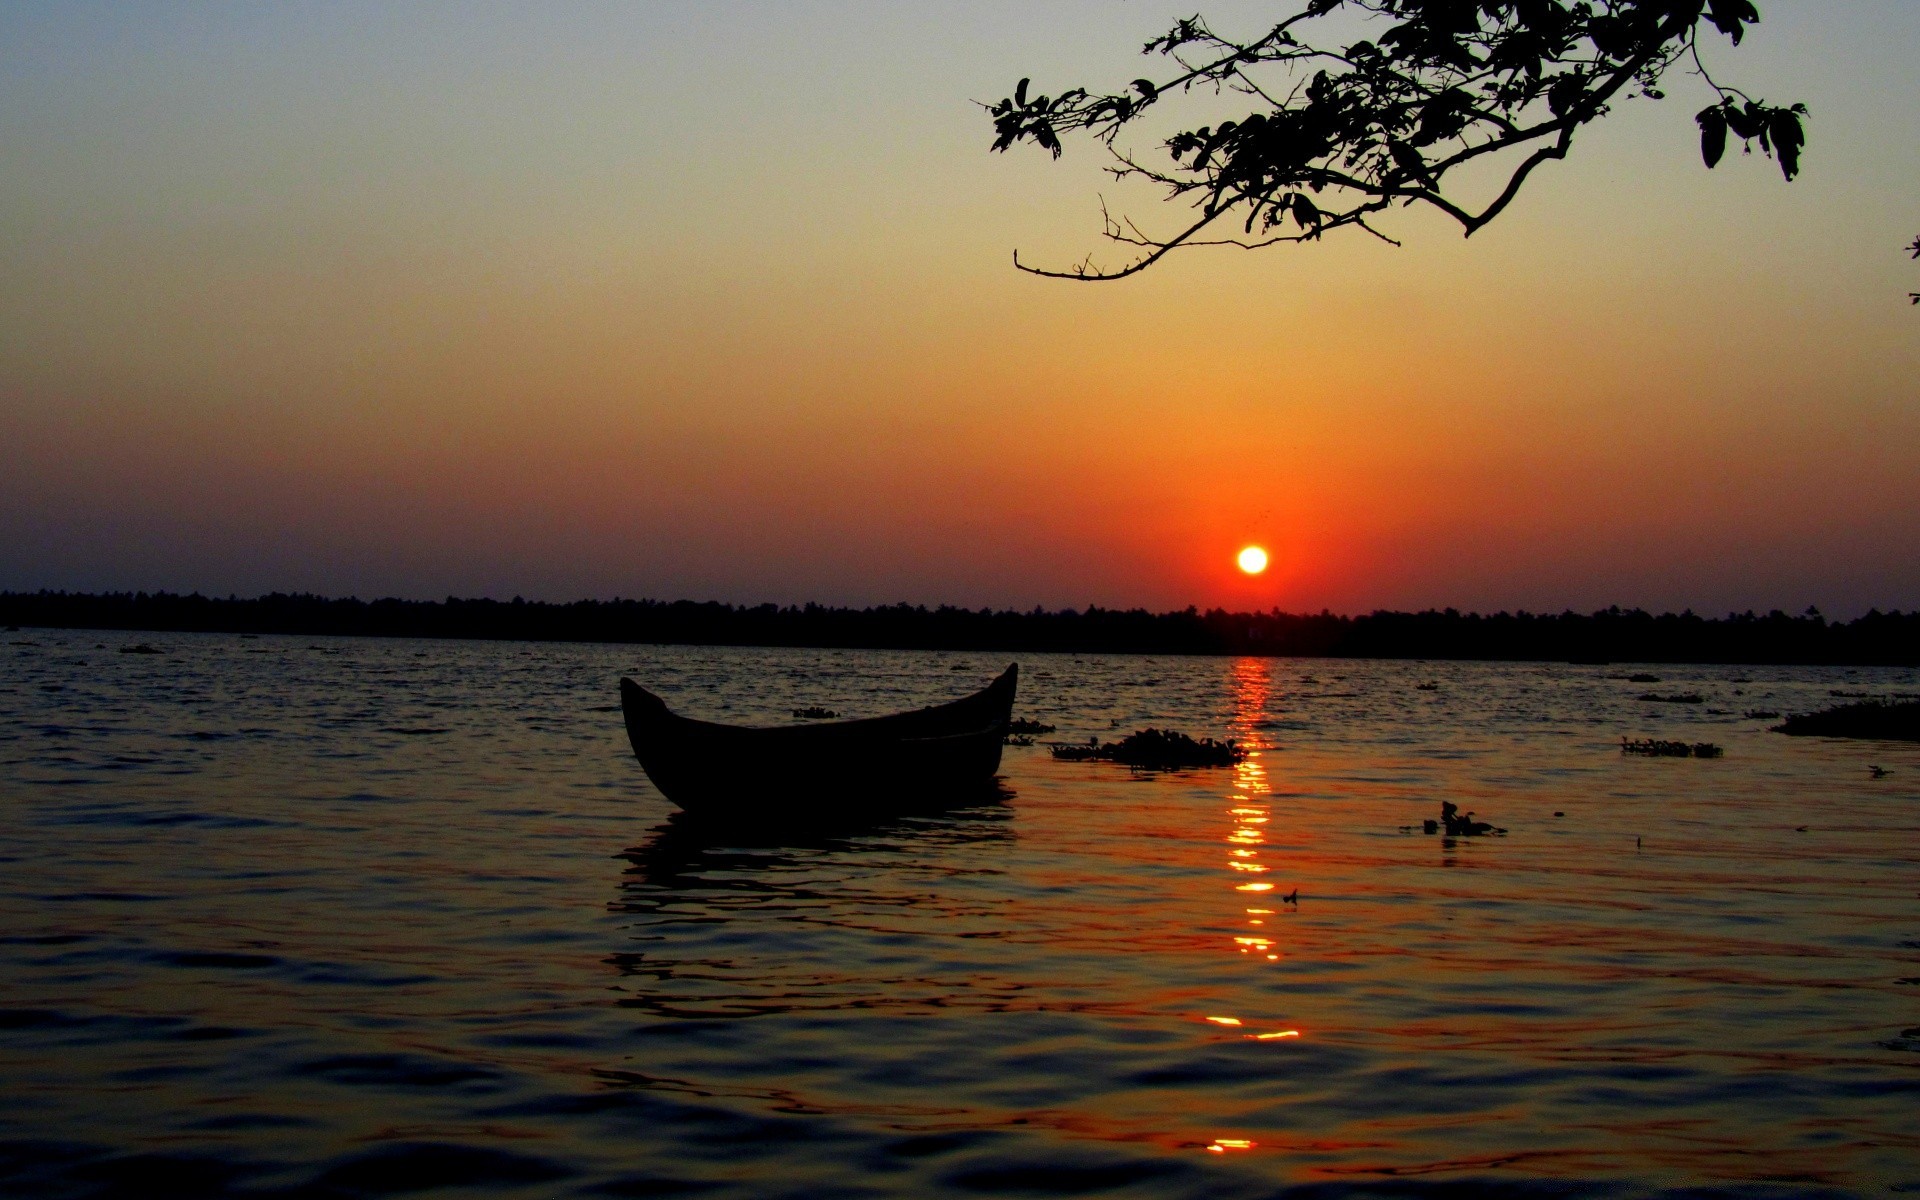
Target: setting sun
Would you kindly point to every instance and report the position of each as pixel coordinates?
(1253, 560)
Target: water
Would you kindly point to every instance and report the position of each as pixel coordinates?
(329, 918)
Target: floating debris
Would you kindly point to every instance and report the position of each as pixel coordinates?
(1454, 824)
(1676, 698)
(1761, 714)
(142, 648)
(1426, 687)
(1640, 678)
(1898, 721)
(1877, 772)
(1021, 726)
(813, 712)
(1838, 694)
(1656, 748)
(1154, 750)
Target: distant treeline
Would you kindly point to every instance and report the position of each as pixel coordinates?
(1612, 635)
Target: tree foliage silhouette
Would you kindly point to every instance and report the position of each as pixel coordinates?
(1340, 133)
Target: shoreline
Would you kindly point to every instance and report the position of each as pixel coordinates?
(1609, 636)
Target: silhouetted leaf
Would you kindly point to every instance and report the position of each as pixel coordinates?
(1784, 126)
(1732, 16)
(1713, 135)
(1749, 122)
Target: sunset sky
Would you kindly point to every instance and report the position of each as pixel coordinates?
(715, 301)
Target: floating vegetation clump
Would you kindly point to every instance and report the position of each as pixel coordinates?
(1154, 750)
(1676, 698)
(813, 712)
(1454, 824)
(1898, 721)
(1021, 727)
(1657, 748)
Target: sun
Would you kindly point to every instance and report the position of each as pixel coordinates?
(1253, 560)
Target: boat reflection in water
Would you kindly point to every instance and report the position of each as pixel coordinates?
(749, 920)
(687, 845)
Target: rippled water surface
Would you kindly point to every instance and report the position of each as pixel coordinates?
(286, 916)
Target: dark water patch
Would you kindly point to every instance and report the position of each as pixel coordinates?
(30, 1167)
(643, 1187)
(36, 1018)
(612, 1101)
(220, 960)
(45, 939)
(137, 818)
(1907, 1041)
(211, 1033)
(249, 1122)
(369, 797)
(398, 1071)
(56, 1027)
(424, 1166)
(1070, 1174)
(935, 1145)
(353, 975)
(162, 1176)
(1487, 1187)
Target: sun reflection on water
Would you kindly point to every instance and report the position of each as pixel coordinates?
(1246, 836)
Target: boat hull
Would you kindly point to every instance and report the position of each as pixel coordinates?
(905, 762)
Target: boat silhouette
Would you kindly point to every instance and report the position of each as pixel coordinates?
(904, 762)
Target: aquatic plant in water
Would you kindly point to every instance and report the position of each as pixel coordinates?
(1657, 748)
(1891, 721)
(1155, 749)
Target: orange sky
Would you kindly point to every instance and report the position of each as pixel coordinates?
(630, 300)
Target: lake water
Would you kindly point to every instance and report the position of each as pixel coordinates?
(331, 917)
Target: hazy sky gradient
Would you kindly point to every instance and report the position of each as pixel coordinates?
(715, 301)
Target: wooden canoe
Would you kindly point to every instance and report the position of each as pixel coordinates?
(893, 764)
